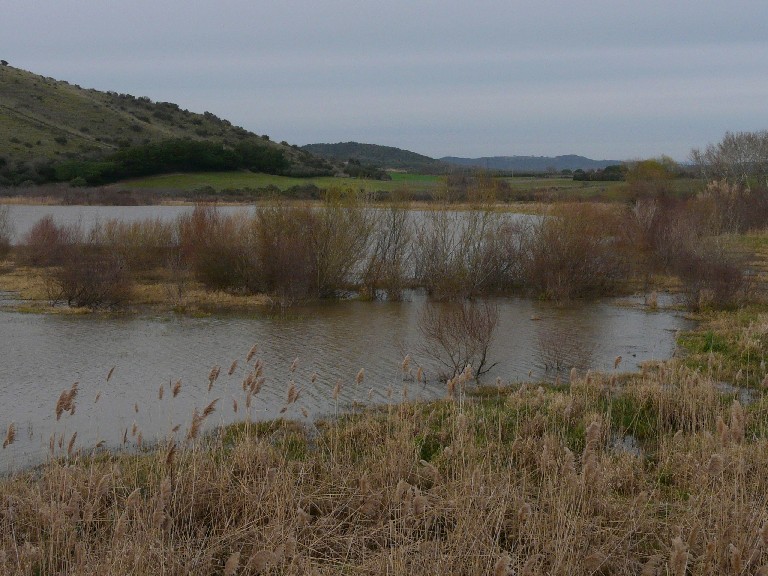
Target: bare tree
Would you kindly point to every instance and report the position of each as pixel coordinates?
(740, 158)
(458, 334)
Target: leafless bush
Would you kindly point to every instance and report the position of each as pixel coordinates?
(740, 158)
(458, 334)
(92, 277)
(713, 276)
(341, 241)
(284, 252)
(579, 250)
(143, 245)
(386, 268)
(218, 248)
(6, 231)
(46, 243)
(462, 254)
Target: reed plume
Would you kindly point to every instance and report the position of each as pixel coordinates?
(251, 353)
(503, 566)
(211, 408)
(10, 435)
(71, 444)
(66, 401)
(678, 558)
(262, 560)
(293, 393)
(194, 426)
(232, 368)
(232, 564)
(213, 376)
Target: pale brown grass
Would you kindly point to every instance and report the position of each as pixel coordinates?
(525, 480)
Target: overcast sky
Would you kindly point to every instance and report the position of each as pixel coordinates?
(607, 79)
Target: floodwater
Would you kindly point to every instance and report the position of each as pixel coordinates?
(42, 355)
(45, 354)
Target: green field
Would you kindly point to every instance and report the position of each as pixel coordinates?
(242, 180)
(546, 189)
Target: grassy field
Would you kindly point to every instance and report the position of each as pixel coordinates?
(242, 180)
(542, 189)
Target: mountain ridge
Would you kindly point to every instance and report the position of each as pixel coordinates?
(531, 163)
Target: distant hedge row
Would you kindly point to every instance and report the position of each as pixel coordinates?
(173, 156)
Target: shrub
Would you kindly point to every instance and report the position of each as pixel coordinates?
(6, 231)
(285, 253)
(387, 263)
(458, 334)
(91, 277)
(217, 248)
(578, 251)
(45, 243)
(460, 254)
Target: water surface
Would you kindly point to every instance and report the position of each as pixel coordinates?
(44, 354)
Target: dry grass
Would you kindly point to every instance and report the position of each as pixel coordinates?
(516, 480)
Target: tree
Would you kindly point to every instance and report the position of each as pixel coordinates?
(651, 177)
(740, 158)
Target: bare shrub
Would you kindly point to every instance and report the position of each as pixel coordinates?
(341, 240)
(46, 243)
(143, 245)
(92, 277)
(461, 254)
(458, 334)
(579, 250)
(6, 231)
(218, 248)
(386, 268)
(713, 276)
(284, 251)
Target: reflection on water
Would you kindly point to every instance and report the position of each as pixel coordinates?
(44, 354)
(24, 216)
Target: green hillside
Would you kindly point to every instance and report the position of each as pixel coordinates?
(386, 157)
(46, 122)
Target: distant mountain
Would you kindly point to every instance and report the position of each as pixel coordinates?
(386, 157)
(45, 122)
(531, 163)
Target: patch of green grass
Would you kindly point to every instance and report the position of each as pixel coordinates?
(704, 342)
(729, 346)
(631, 417)
(249, 180)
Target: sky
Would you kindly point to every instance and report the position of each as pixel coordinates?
(607, 79)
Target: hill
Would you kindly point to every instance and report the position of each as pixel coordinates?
(46, 122)
(386, 157)
(540, 164)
